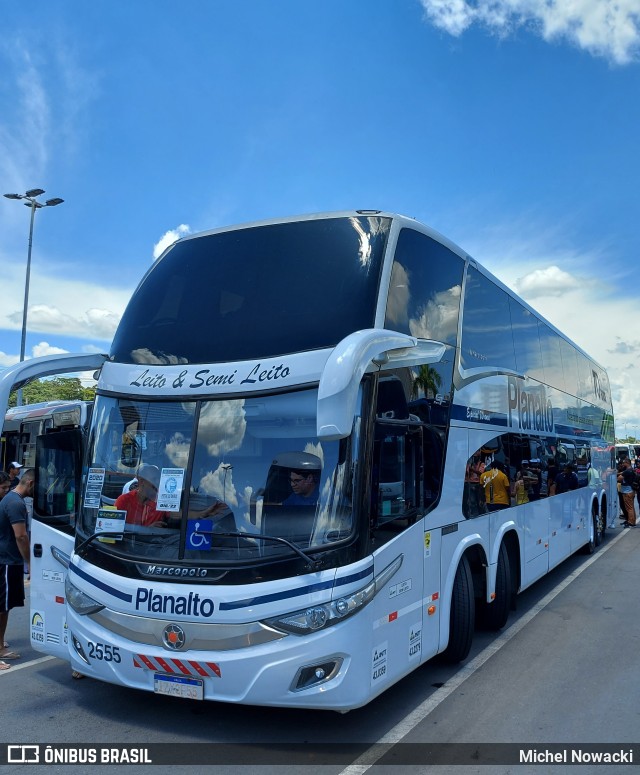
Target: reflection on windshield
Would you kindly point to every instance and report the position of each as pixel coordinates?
(174, 478)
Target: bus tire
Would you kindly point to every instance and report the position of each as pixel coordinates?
(590, 546)
(462, 614)
(496, 613)
(600, 525)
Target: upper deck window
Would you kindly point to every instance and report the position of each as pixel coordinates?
(424, 291)
(487, 338)
(256, 292)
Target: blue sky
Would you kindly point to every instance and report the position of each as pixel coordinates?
(511, 126)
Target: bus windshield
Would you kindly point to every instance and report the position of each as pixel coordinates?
(198, 302)
(173, 479)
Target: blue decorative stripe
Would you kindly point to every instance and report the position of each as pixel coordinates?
(247, 602)
(361, 574)
(287, 593)
(101, 585)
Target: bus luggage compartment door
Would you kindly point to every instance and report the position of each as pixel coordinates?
(48, 620)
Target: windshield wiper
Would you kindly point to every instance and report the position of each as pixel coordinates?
(311, 563)
(100, 533)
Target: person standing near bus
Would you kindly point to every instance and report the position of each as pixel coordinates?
(473, 493)
(4, 489)
(636, 482)
(13, 470)
(534, 479)
(567, 480)
(626, 479)
(14, 553)
(5, 484)
(496, 487)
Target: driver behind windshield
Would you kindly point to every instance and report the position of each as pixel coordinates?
(140, 504)
(304, 486)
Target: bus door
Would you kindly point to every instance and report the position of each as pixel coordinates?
(58, 461)
(397, 529)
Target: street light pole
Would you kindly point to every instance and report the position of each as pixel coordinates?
(31, 202)
(23, 338)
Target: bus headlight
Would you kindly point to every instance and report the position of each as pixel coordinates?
(319, 617)
(80, 601)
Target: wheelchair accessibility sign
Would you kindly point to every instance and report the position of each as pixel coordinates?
(199, 540)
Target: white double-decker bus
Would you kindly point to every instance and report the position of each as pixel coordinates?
(351, 443)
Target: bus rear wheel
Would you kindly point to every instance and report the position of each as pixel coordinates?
(495, 614)
(462, 614)
(600, 525)
(590, 546)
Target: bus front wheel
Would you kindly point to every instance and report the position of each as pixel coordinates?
(462, 614)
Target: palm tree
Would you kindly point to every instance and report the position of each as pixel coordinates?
(428, 380)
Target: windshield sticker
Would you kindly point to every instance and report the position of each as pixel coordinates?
(140, 439)
(110, 521)
(170, 489)
(196, 539)
(93, 490)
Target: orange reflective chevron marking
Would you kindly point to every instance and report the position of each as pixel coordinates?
(178, 666)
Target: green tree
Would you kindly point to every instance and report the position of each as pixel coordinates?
(428, 380)
(56, 389)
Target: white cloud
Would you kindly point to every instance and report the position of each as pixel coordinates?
(94, 323)
(58, 303)
(551, 281)
(169, 237)
(625, 348)
(44, 348)
(608, 28)
(220, 483)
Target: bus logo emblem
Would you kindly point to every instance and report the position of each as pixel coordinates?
(173, 637)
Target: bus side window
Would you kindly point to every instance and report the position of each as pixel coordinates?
(473, 498)
(398, 472)
(57, 485)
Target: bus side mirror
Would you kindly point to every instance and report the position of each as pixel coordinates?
(346, 365)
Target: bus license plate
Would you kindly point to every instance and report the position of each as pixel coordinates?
(179, 686)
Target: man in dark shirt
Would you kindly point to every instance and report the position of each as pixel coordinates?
(14, 552)
(567, 480)
(304, 486)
